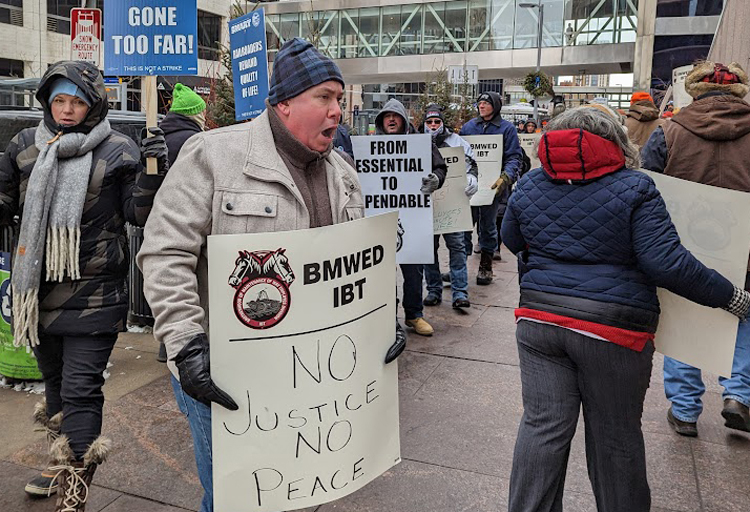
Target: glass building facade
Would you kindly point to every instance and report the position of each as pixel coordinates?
(454, 26)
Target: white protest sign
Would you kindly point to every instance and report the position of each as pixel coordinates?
(390, 169)
(488, 152)
(451, 209)
(714, 224)
(680, 96)
(529, 142)
(301, 322)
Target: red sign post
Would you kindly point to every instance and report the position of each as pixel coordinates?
(85, 35)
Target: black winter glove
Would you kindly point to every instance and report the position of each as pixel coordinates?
(398, 346)
(155, 147)
(195, 374)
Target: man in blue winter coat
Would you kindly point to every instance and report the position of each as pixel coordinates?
(489, 122)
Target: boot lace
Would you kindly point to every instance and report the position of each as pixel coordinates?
(76, 490)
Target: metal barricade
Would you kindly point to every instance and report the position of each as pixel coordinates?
(139, 312)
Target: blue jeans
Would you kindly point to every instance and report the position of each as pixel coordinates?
(459, 274)
(199, 418)
(684, 386)
(485, 217)
(412, 290)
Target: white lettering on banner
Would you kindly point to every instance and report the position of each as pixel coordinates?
(247, 49)
(164, 44)
(298, 336)
(390, 169)
(152, 16)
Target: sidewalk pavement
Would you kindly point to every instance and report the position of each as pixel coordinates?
(460, 399)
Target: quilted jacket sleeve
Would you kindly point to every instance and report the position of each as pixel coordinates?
(511, 228)
(665, 260)
(9, 182)
(138, 188)
(654, 154)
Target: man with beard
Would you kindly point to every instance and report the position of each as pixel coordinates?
(393, 120)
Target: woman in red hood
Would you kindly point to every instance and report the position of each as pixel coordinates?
(594, 240)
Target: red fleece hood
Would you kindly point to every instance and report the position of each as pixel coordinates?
(578, 155)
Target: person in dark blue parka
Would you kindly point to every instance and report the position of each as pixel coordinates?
(594, 240)
(490, 122)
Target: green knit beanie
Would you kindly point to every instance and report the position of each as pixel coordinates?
(185, 101)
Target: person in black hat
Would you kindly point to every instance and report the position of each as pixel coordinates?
(490, 122)
(278, 173)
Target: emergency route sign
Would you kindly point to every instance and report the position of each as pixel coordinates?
(85, 35)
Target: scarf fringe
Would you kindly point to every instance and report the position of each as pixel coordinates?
(62, 253)
(26, 318)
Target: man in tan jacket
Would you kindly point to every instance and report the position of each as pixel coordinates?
(278, 173)
(642, 118)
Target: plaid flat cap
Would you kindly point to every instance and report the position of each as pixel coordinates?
(297, 67)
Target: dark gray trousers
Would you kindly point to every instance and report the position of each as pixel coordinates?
(73, 368)
(560, 371)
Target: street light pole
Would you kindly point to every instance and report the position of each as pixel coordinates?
(539, 6)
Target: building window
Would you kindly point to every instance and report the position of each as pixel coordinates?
(11, 12)
(680, 8)
(12, 68)
(209, 35)
(58, 14)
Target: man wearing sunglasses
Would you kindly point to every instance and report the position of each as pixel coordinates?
(443, 137)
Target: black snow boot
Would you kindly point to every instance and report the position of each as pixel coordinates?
(484, 276)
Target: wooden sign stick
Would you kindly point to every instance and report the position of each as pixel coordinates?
(151, 108)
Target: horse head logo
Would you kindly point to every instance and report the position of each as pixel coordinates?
(273, 264)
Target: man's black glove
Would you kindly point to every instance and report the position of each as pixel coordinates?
(398, 346)
(155, 147)
(195, 374)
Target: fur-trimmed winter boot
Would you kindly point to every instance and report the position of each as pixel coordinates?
(75, 476)
(44, 484)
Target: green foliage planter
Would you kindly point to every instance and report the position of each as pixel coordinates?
(537, 84)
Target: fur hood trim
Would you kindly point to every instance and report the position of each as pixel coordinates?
(696, 88)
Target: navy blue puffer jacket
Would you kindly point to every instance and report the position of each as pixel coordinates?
(594, 238)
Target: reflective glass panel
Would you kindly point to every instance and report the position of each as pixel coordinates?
(434, 33)
(369, 20)
(411, 29)
(390, 31)
(348, 34)
(455, 24)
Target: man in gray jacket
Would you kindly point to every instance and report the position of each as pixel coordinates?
(277, 173)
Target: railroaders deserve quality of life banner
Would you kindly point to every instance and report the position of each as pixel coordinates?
(301, 322)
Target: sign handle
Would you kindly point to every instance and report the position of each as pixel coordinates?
(151, 107)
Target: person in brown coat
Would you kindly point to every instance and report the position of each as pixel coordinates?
(708, 142)
(642, 118)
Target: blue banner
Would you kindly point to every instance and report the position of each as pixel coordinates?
(151, 37)
(247, 38)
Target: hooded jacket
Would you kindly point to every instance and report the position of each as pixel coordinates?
(177, 129)
(439, 168)
(642, 119)
(118, 192)
(450, 139)
(594, 240)
(707, 142)
(512, 153)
